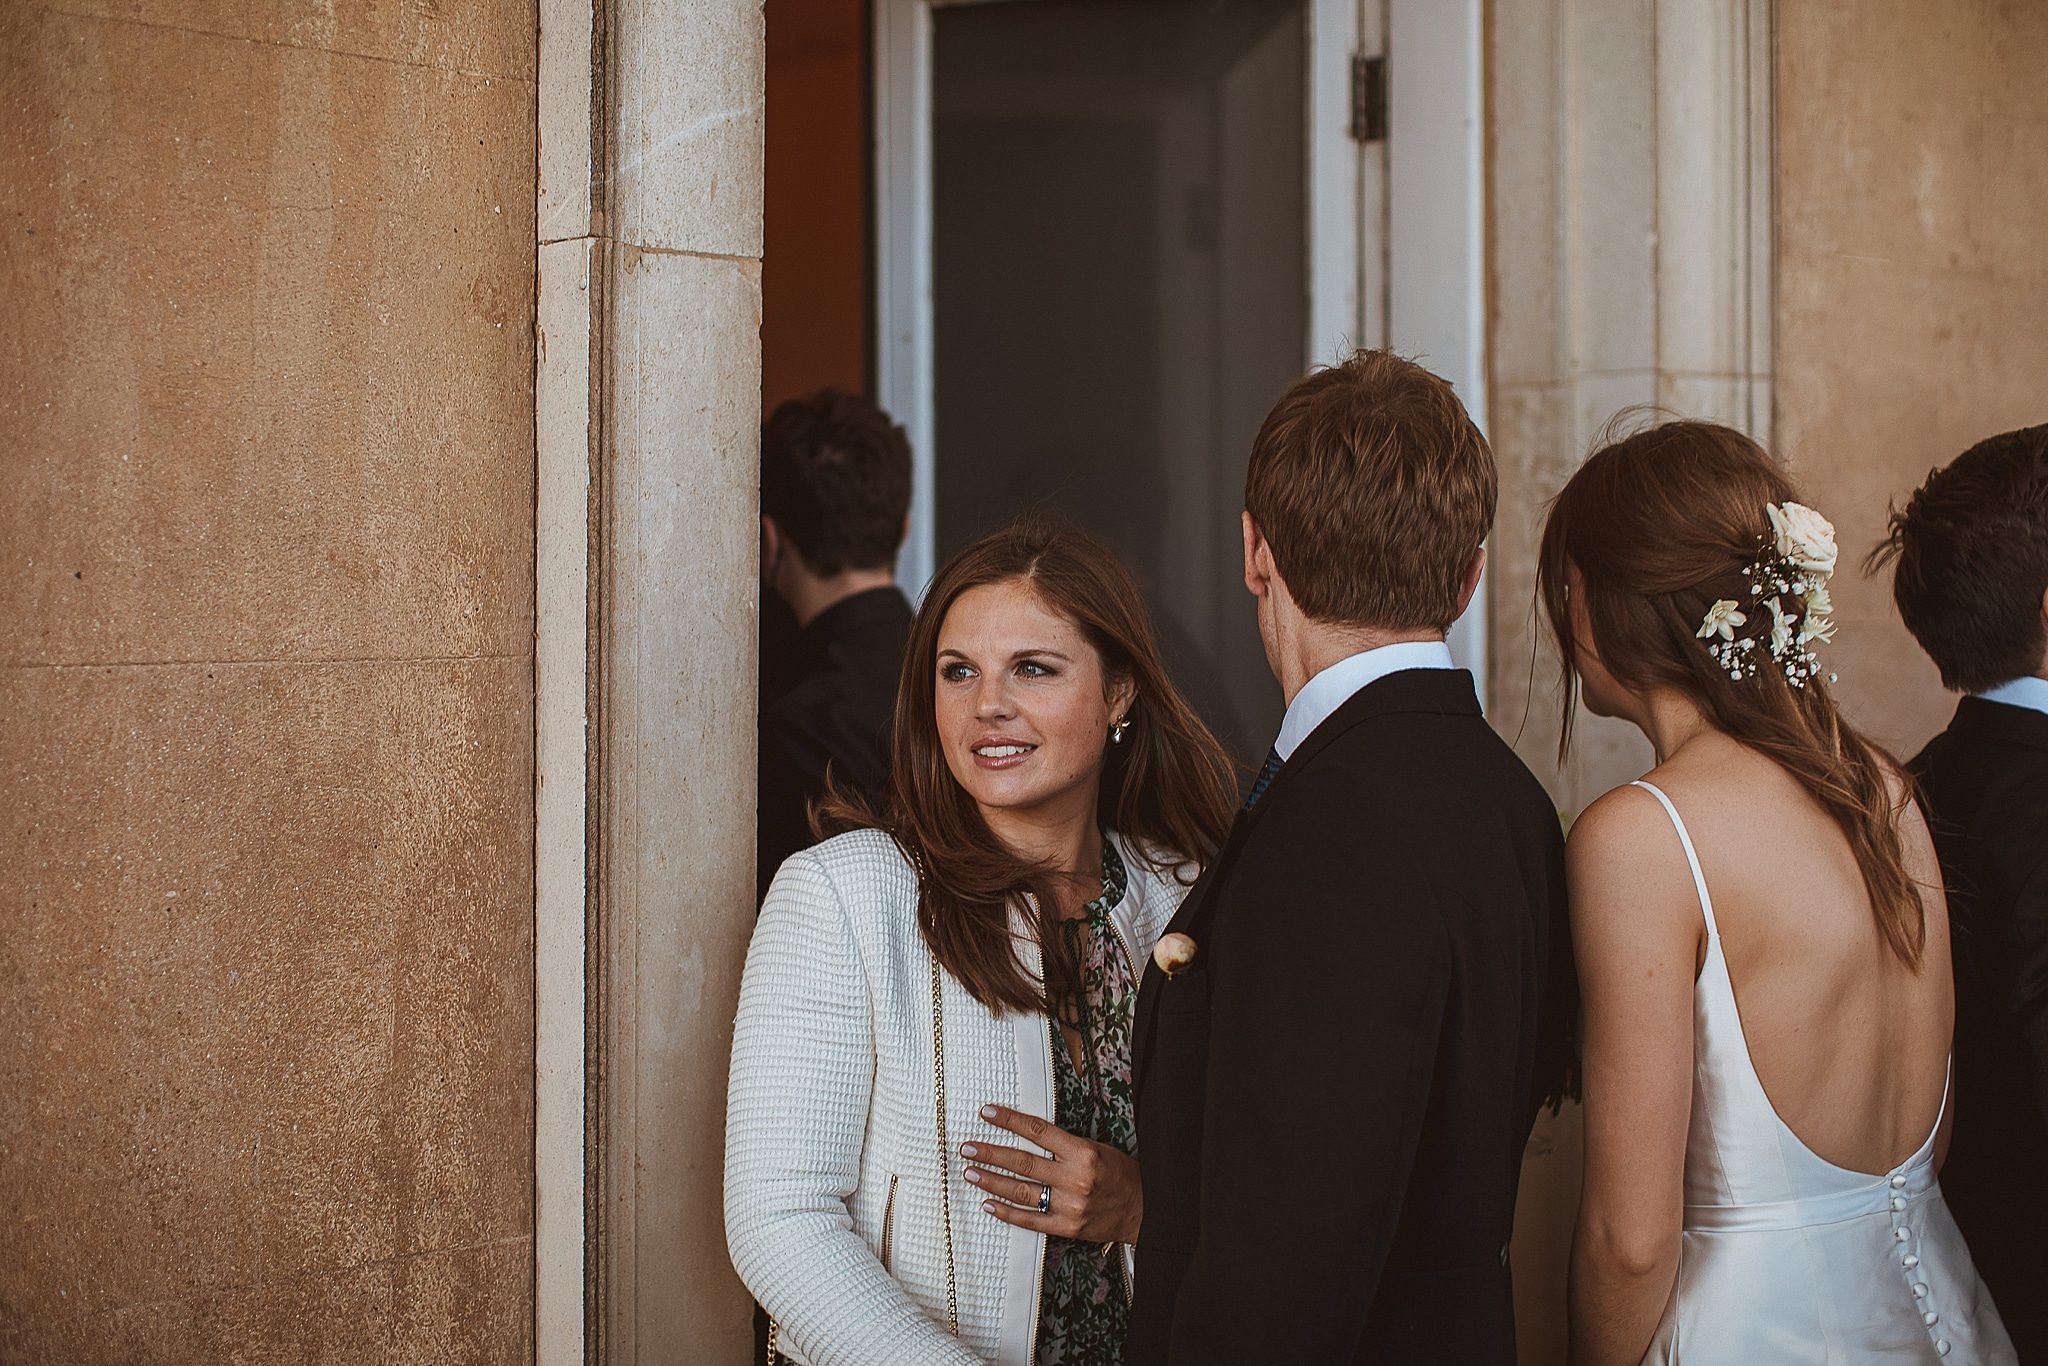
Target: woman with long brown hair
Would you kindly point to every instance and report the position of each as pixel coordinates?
(1762, 944)
(929, 1145)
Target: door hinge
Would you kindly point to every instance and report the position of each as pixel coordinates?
(1369, 98)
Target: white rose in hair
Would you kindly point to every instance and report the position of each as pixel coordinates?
(1804, 536)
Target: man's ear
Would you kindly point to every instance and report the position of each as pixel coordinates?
(1258, 558)
(772, 543)
(1471, 584)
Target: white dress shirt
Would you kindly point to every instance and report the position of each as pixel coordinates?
(1339, 683)
(2027, 691)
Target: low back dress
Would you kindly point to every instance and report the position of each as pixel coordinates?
(1787, 1258)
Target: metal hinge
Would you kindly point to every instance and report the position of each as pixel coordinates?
(1369, 98)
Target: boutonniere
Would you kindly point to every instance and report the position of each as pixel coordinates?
(1173, 953)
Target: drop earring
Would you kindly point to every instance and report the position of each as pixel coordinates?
(1117, 729)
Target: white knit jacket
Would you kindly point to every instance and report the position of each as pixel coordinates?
(832, 1155)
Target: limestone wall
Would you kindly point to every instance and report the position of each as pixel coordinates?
(1912, 298)
(265, 681)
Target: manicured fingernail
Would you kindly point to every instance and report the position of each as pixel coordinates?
(988, 1207)
(967, 1150)
(988, 1112)
(974, 1176)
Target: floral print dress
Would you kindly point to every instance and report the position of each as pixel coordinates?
(1084, 1305)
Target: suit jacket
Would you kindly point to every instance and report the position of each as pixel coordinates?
(833, 711)
(1985, 783)
(1333, 1098)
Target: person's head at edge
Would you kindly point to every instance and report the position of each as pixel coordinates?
(1367, 503)
(1033, 647)
(1971, 579)
(835, 493)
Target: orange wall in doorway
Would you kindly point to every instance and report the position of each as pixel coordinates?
(814, 280)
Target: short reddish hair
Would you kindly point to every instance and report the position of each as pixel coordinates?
(1374, 490)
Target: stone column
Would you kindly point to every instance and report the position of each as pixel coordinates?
(1629, 206)
(649, 409)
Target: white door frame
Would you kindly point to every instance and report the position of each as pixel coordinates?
(1435, 297)
(1396, 230)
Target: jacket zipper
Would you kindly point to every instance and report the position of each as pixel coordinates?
(889, 1220)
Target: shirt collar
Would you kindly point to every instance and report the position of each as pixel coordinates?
(1342, 681)
(2027, 691)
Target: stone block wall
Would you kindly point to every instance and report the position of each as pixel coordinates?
(1912, 299)
(266, 653)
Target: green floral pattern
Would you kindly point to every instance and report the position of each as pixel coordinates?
(1084, 1305)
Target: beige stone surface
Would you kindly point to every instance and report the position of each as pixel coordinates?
(271, 993)
(687, 172)
(566, 450)
(678, 763)
(290, 295)
(266, 662)
(1912, 303)
(487, 39)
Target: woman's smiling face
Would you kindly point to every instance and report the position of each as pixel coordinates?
(1022, 702)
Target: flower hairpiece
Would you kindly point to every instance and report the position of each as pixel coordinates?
(1794, 561)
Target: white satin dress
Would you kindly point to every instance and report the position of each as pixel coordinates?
(1788, 1259)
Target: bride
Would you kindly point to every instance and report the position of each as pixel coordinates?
(1762, 941)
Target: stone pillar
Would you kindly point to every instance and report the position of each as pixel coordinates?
(649, 409)
(1630, 234)
(1629, 229)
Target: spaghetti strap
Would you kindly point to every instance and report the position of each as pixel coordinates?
(1692, 858)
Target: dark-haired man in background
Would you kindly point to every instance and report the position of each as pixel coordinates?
(1972, 586)
(835, 491)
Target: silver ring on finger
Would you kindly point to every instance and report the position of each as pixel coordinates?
(1044, 1198)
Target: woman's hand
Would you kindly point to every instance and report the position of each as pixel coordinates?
(1095, 1194)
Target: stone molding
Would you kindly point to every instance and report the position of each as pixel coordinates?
(647, 408)
(1630, 243)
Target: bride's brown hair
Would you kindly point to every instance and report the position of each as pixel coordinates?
(1661, 525)
(1167, 787)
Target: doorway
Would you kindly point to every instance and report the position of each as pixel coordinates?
(1110, 233)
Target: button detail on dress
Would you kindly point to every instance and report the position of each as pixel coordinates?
(1898, 1202)
(1900, 1234)
(1942, 1347)
(1899, 1181)
(1919, 1290)
(1930, 1318)
(1909, 1261)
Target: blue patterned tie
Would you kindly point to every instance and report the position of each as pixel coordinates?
(1264, 780)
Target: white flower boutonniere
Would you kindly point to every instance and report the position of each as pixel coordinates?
(1173, 953)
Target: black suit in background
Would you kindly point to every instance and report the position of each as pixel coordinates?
(1985, 783)
(1333, 1099)
(833, 708)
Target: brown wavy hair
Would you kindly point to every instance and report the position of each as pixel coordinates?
(1660, 525)
(1168, 788)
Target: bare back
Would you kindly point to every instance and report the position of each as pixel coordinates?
(1850, 1042)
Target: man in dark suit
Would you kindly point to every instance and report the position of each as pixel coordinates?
(1972, 585)
(835, 490)
(1336, 1080)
